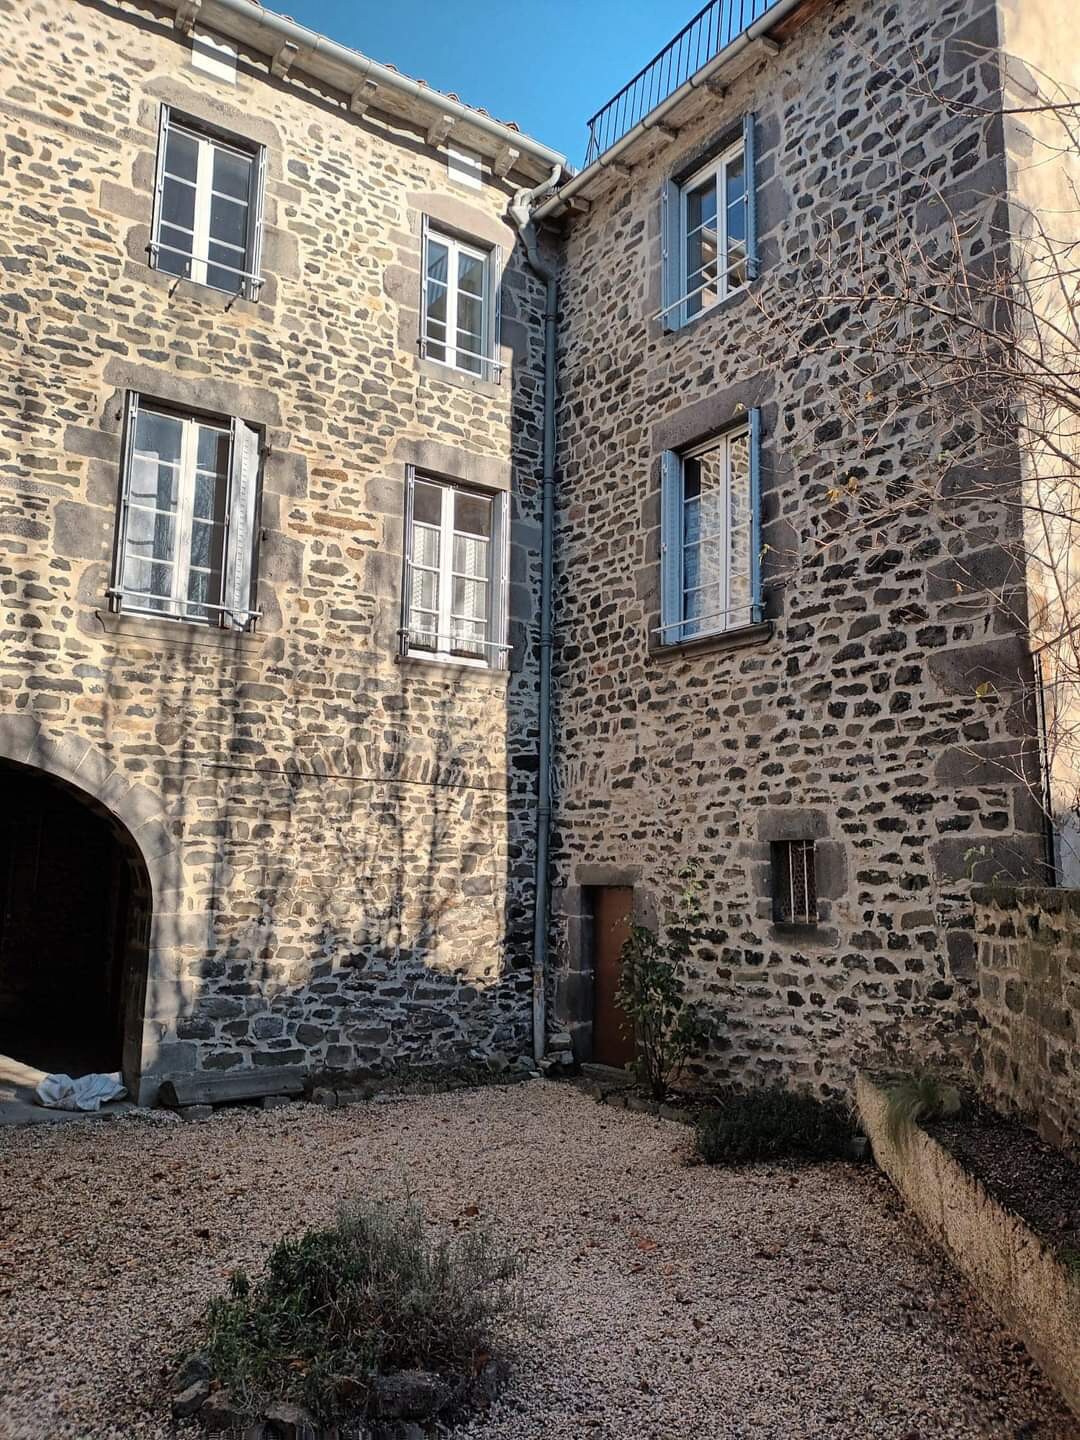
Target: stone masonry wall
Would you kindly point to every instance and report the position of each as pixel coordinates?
(340, 844)
(1028, 1058)
(854, 716)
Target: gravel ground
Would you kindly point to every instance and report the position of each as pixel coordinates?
(680, 1301)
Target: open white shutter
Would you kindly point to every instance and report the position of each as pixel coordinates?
(159, 185)
(252, 286)
(240, 542)
(500, 610)
(423, 284)
(671, 547)
(406, 559)
(494, 313)
(127, 456)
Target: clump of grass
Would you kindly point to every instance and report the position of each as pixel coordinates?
(371, 1295)
(916, 1098)
(774, 1125)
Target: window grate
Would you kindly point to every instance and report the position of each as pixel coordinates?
(794, 882)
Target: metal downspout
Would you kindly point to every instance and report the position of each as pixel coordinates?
(520, 214)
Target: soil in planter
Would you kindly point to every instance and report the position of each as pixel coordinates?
(1028, 1176)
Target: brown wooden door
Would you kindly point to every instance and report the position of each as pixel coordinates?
(613, 907)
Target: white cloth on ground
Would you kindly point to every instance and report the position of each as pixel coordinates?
(88, 1092)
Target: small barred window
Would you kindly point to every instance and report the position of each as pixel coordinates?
(794, 882)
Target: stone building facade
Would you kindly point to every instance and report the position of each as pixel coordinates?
(319, 838)
(849, 713)
(330, 844)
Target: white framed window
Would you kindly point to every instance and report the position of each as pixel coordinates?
(709, 232)
(710, 536)
(456, 572)
(712, 226)
(208, 204)
(186, 529)
(460, 319)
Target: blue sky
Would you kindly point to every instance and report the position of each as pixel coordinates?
(548, 64)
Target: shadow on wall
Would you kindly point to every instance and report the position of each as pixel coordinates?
(343, 905)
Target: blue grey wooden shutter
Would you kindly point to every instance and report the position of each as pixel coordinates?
(756, 607)
(671, 547)
(750, 167)
(239, 575)
(406, 559)
(127, 460)
(423, 283)
(670, 255)
(253, 281)
(491, 347)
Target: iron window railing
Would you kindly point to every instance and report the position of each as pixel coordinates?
(712, 29)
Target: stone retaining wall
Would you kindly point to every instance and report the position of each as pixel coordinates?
(1028, 1055)
(1015, 1274)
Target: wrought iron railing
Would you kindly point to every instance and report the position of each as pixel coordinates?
(711, 29)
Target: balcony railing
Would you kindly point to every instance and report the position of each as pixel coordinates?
(711, 29)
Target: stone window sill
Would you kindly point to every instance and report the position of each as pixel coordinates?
(462, 379)
(449, 670)
(179, 633)
(738, 639)
(703, 316)
(210, 295)
(816, 936)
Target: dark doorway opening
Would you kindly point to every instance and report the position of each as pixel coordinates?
(75, 911)
(612, 912)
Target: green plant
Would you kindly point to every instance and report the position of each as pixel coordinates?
(774, 1125)
(371, 1295)
(668, 1029)
(915, 1098)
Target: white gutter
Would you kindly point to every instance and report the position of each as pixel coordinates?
(655, 118)
(344, 69)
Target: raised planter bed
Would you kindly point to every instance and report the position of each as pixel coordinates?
(1005, 1208)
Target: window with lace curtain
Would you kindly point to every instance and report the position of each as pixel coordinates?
(455, 573)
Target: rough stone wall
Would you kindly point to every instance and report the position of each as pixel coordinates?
(1028, 1058)
(340, 844)
(853, 717)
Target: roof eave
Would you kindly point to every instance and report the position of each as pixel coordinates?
(365, 83)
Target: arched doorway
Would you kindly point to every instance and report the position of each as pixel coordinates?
(75, 912)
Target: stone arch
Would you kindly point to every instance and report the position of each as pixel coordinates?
(141, 815)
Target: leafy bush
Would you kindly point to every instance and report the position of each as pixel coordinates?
(915, 1098)
(668, 1029)
(372, 1295)
(774, 1125)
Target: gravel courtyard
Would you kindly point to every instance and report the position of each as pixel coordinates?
(680, 1301)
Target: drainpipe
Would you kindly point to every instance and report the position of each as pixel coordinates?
(521, 214)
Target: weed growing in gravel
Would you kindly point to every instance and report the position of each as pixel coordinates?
(371, 1295)
(774, 1125)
